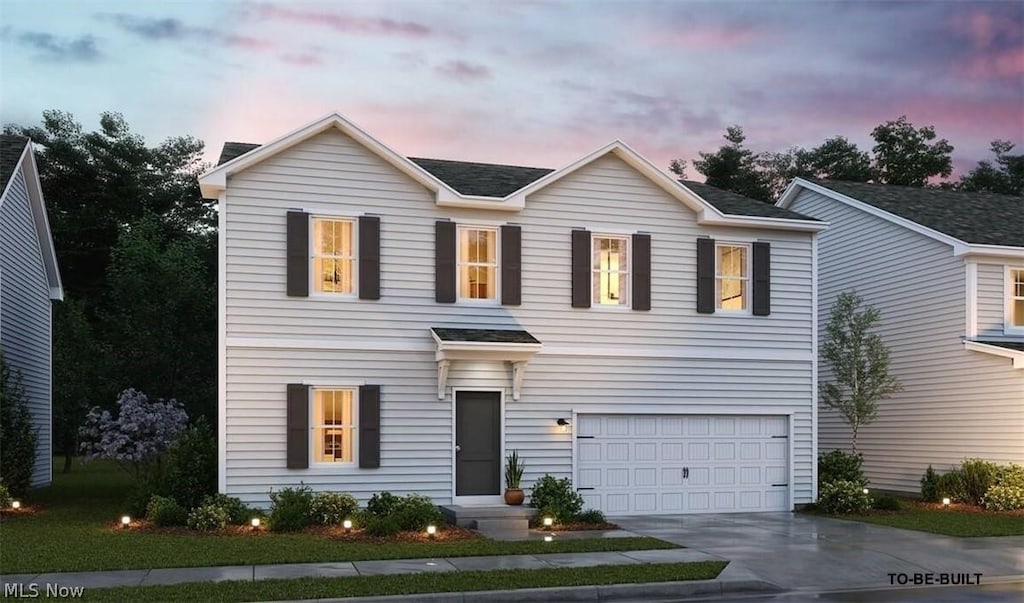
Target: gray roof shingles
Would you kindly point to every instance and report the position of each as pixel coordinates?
(484, 335)
(11, 148)
(495, 180)
(979, 218)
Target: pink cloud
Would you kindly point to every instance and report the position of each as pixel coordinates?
(344, 23)
(716, 38)
(463, 71)
(302, 60)
(998, 64)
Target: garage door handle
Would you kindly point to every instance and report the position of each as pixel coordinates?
(686, 473)
(778, 485)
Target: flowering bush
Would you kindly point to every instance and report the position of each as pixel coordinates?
(238, 513)
(207, 518)
(1004, 498)
(332, 508)
(843, 496)
(1010, 475)
(141, 433)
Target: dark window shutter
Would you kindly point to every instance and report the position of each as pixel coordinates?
(641, 271)
(762, 268)
(369, 426)
(581, 269)
(444, 261)
(369, 257)
(511, 265)
(706, 276)
(298, 254)
(297, 417)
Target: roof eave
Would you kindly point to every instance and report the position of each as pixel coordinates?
(1015, 356)
(37, 204)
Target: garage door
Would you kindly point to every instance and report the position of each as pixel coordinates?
(651, 464)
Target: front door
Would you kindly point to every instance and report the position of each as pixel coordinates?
(477, 443)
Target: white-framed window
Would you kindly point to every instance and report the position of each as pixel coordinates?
(732, 277)
(478, 263)
(610, 271)
(1015, 299)
(334, 255)
(334, 425)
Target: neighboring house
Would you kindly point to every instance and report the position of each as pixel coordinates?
(29, 282)
(946, 270)
(401, 324)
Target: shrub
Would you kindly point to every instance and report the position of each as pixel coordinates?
(591, 516)
(838, 465)
(930, 485)
(1011, 475)
(843, 496)
(332, 508)
(978, 477)
(165, 511)
(557, 498)
(886, 503)
(290, 509)
(192, 465)
(207, 518)
(382, 504)
(1004, 498)
(415, 512)
(19, 436)
(5, 496)
(952, 484)
(379, 525)
(238, 514)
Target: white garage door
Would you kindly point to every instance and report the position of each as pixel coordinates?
(651, 464)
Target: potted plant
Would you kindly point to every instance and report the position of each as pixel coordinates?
(514, 495)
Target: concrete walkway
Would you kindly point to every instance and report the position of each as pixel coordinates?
(806, 552)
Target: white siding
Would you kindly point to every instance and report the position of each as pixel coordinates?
(992, 296)
(956, 403)
(25, 314)
(333, 175)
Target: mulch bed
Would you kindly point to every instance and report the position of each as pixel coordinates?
(580, 527)
(445, 533)
(962, 508)
(25, 511)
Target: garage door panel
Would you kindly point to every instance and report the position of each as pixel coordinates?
(636, 464)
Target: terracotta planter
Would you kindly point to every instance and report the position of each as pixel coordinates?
(514, 496)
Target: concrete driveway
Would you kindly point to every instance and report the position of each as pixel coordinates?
(805, 552)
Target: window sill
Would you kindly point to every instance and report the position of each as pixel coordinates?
(324, 467)
(610, 308)
(334, 296)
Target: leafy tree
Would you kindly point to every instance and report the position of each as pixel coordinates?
(76, 384)
(835, 159)
(733, 167)
(1006, 176)
(18, 437)
(859, 362)
(905, 155)
(160, 314)
(140, 435)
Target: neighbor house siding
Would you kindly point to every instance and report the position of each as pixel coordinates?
(25, 314)
(955, 403)
(669, 356)
(992, 296)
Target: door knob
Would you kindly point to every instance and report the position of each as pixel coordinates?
(458, 448)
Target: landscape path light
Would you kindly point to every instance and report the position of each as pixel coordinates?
(125, 521)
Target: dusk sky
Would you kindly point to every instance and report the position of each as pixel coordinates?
(524, 82)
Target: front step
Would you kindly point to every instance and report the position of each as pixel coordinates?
(468, 517)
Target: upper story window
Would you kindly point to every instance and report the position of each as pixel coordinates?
(478, 263)
(732, 277)
(1015, 299)
(334, 425)
(334, 259)
(610, 268)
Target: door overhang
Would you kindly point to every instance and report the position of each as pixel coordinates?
(515, 347)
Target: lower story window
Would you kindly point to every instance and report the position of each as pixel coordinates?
(333, 425)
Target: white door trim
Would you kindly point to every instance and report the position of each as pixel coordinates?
(481, 500)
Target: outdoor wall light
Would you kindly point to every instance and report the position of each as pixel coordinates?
(15, 504)
(255, 523)
(548, 522)
(945, 502)
(865, 490)
(125, 520)
(347, 524)
(431, 530)
(564, 424)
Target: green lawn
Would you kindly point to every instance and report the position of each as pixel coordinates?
(408, 584)
(945, 521)
(73, 533)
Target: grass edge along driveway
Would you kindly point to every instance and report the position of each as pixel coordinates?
(410, 584)
(948, 522)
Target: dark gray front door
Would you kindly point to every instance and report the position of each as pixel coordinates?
(477, 443)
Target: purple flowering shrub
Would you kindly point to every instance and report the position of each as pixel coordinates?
(142, 432)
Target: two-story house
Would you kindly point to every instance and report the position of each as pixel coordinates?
(29, 284)
(946, 270)
(401, 324)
